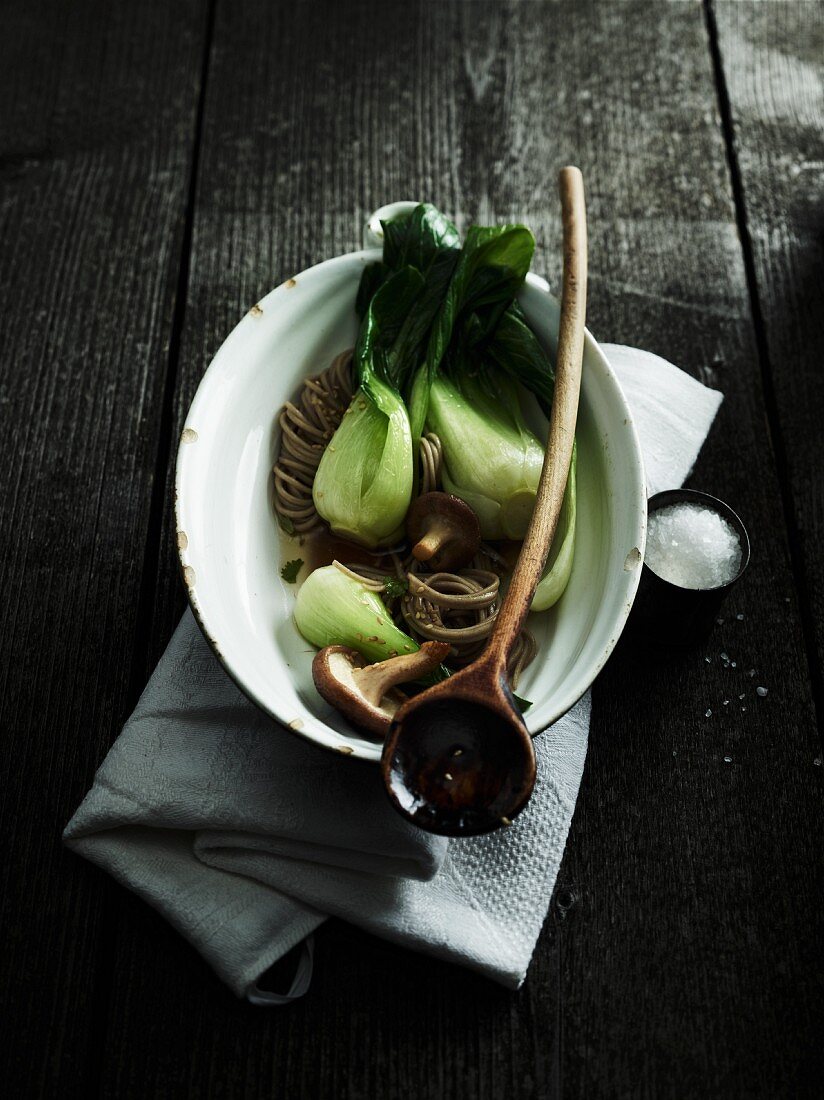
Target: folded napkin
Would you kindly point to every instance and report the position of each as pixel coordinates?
(246, 837)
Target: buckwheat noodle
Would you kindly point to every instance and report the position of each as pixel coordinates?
(306, 428)
(458, 608)
(431, 457)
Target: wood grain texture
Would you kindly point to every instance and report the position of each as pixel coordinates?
(773, 67)
(683, 952)
(97, 128)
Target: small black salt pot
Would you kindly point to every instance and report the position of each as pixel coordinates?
(667, 614)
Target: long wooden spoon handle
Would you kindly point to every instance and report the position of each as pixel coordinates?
(562, 421)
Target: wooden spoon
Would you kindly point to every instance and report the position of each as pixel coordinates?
(458, 759)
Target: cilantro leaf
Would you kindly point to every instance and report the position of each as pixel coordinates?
(394, 586)
(290, 571)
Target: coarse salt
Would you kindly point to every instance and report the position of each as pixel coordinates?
(692, 546)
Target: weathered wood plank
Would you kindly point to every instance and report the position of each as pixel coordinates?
(773, 64)
(680, 956)
(98, 123)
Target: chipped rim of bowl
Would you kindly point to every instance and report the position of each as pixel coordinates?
(326, 737)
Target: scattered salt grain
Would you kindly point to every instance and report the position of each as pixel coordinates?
(692, 546)
(817, 761)
(740, 617)
(743, 695)
(751, 672)
(708, 713)
(727, 759)
(761, 691)
(708, 660)
(734, 664)
(726, 702)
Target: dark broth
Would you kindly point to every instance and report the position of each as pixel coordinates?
(320, 547)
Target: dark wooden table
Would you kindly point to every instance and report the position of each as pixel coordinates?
(162, 165)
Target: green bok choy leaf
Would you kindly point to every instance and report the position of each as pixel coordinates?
(363, 483)
(491, 459)
(559, 561)
(489, 272)
(333, 608)
(421, 238)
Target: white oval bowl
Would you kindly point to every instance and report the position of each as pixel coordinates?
(231, 549)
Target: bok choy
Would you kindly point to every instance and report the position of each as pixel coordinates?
(442, 336)
(463, 393)
(363, 483)
(334, 608)
(559, 560)
(491, 459)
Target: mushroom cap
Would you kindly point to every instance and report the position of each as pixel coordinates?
(443, 529)
(332, 671)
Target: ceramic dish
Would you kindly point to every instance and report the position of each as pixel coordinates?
(231, 548)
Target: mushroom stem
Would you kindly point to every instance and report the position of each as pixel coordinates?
(443, 530)
(375, 681)
(439, 532)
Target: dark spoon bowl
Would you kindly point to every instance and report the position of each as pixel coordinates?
(453, 767)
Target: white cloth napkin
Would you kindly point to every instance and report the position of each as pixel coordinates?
(245, 837)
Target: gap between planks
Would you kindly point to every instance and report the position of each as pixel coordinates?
(151, 551)
(775, 434)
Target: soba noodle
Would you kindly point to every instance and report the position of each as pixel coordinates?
(459, 608)
(306, 428)
(431, 457)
